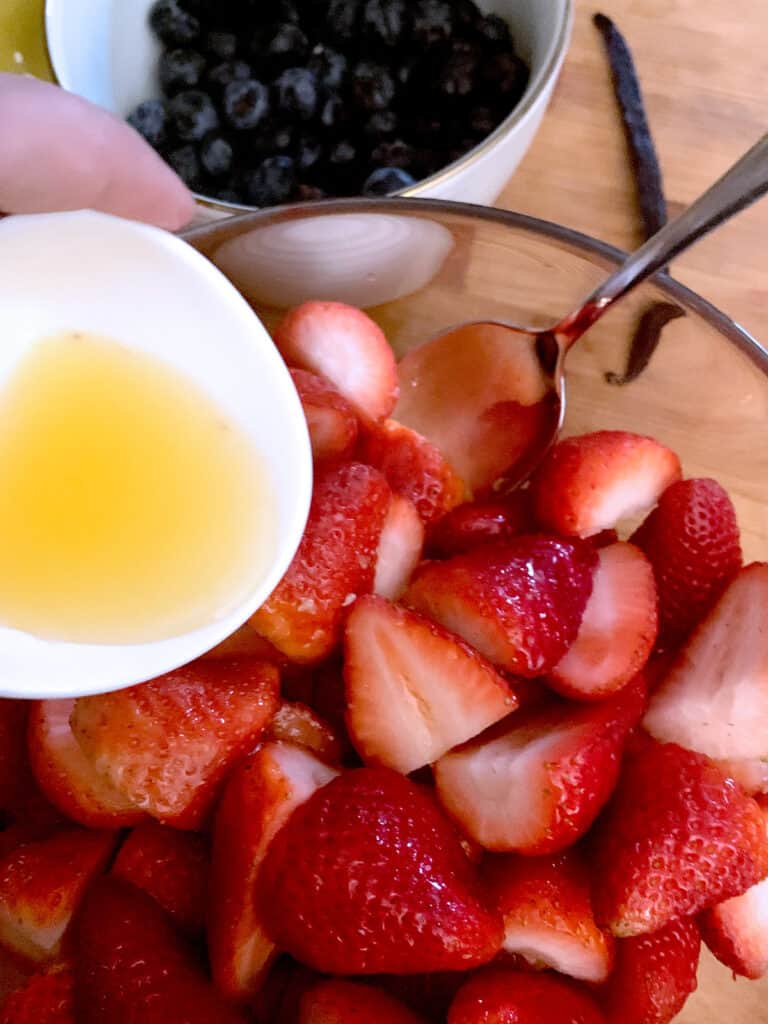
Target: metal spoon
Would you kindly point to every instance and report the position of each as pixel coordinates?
(741, 186)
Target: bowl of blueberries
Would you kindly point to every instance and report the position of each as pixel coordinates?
(256, 103)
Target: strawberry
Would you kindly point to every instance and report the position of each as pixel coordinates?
(692, 541)
(41, 885)
(331, 420)
(477, 397)
(246, 642)
(547, 911)
(414, 690)
(714, 698)
(348, 1002)
(167, 745)
(678, 837)
(67, 777)
(336, 561)
(750, 773)
(45, 999)
(299, 725)
(342, 344)
(367, 877)
(14, 773)
(429, 995)
(590, 483)
(474, 523)
(172, 867)
(653, 976)
(502, 996)
(133, 966)
(536, 783)
(259, 798)
(278, 1000)
(618, 630)
(414, 468)
(399, 550)
(519, 602)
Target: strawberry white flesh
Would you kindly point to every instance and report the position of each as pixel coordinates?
(400, 547)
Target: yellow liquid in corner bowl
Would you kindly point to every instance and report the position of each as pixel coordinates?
(131, 510)
(22, 38)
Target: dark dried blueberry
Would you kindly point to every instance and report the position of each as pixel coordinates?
(343, 154)
(220, 45)
(180, 69)
(396, 153)
(185, 162)
(192, 115)
(272, 137)
(271, 182)
(285, 46)
(343, 17)
(308, 153)
(406, 72)
(296, 92)
(458, 74)
(172, 24)
(329, 66)
(307, 193)
(283, 138)
(333, 114)
(216, 156)
(285, 10)
(149, 120)
(432, 22)
(386, 180)
(380, 125)
(494, 30)
(383, 21)
(246, 103)
(506, 74)
(220, 76)
(482, 121)
(372, 85)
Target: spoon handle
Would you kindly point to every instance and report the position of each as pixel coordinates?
(738, 188)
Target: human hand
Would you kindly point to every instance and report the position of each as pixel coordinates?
(60, 152)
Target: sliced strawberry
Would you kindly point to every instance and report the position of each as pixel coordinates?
(590, 483)
(67, 777)
(475, 523)
(246, 642)
(547, 911)
(519, 602)
(261, 795)
(678, 837)
(414, 690)
(336, 561)
(399, 550)
(502, 996)
(367, 877)
(45, 999)
(653, 976)
(299, 725)
(167, 745)
(692, 541)
(348, 1002)
(535, 784)
(133, 966)
(714, 698)
(475, 395)
(41, 885)
(750, 773)
(344, 345)
(414, 468)
(331, 420)
(618, 630)
(172, 867)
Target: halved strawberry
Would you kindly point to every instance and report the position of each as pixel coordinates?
(653, 976)
(348, 1002)
(535, 784)
(678, 837)
(477, 397)
(547, 911)
(519, 602)
(590, 483)
(414, 690)
(750, 773)
(246, 642)
(336, 562)
(41, 885)
(331, 420)
(298, 724)
(474, 523)
(399, 550)
(172, 867)
(618, 630)
(344, 345)
(46, 998)
(499, 995)
(67, 777)
(367, 877)
(414, 468)
(133, 966)
(692, 541)
(168, 744)
(714, 698)
(260, 796)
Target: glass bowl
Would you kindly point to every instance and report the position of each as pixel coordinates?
(420, 266)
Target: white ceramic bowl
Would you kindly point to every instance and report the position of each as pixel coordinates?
(104, 50)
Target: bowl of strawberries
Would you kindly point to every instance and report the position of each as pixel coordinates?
(482, 757)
